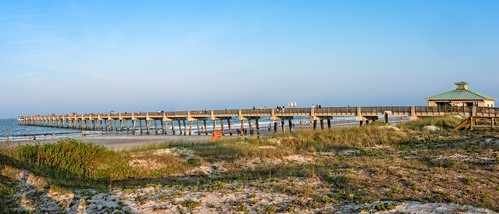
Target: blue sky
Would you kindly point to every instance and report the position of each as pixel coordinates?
(97, 56)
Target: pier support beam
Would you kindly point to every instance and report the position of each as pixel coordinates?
(222, 126)
(214, 125)
(257, 128)
(230, 127)
(166, 127)
(205, 128)
(148, 126)
(163, 127)
(190, 127)
(242, 127)
(250, 126)
(185, 128)
(173, 127)
(199, 129)
(328, 123)
(290, 125)
(156, 126)
(133, 126)
(275, 126)
(180, 127)
(140, 124)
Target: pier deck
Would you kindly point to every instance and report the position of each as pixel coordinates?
(362, 114)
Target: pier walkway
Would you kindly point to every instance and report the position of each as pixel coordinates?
(362, 114)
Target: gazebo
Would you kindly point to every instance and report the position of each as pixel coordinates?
(461, 96)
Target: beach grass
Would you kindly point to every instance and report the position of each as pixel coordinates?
(444, 122)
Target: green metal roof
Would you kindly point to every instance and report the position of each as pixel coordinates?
(460, 95)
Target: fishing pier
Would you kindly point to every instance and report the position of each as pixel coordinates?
(120, 121)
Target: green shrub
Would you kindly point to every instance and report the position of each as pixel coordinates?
(468, 180)
(70, 158)
(299, 202)
(386, 206)
(6, 190)
(177, 194)
(242, 208)
(270, 209)
(191, 204)
(325, 199)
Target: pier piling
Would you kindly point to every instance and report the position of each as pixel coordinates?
(205, 129)
(230, 127)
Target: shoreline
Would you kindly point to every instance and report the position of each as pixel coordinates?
(22, 133)
(127, 140)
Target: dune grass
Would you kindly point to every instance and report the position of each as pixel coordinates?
(444, 122)
(73, 162)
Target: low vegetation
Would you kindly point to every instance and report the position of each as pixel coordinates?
(445, 122)
(73, 162)
(313, 169)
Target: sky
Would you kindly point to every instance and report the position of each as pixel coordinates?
(129, 56)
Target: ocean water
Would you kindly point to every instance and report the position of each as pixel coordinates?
(15, 132)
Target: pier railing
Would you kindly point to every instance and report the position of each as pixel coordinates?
(315, 113)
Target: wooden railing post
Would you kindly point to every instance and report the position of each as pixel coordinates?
(359, 114)
(413, 115)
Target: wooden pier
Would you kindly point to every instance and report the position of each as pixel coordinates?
(116, 121)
